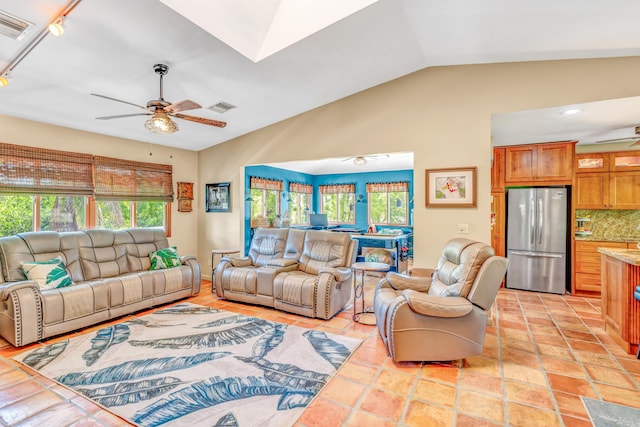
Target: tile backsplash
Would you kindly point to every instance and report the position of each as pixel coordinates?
(612, 224)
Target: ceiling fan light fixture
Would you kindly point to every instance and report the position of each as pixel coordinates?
(161, 123)
(5, 79)
(359, 161)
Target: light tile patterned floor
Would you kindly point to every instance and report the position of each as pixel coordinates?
(542, 352)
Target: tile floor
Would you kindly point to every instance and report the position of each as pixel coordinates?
(542, 352)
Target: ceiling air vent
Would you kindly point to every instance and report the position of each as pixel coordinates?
(221, 107)
(12, 26)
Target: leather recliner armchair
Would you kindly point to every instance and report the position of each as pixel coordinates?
(441, 317)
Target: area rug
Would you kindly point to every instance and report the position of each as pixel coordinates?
(190, 365)
(605, 414)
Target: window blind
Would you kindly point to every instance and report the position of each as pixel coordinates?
(387, 187)
(295, 187)
(36, 170)
(118, 179)
(265, 184)
(337, 188)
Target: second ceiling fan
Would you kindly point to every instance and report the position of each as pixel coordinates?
(161, 111)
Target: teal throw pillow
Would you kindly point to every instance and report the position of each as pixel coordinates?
(164, 258)
(48, 274)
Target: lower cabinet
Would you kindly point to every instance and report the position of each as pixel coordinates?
(587, 280)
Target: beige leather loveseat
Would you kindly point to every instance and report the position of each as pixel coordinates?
(302, 272)
(111, 276)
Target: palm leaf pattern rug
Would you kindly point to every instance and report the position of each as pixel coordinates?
(190, 365)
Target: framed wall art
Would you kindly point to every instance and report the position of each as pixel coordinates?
(451, 187)
(218, 197)
(184, 205)
(185, 190)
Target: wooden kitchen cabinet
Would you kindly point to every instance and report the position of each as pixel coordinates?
(498, 222)
(591, 162)
(591, 190)
(497, 170)
(587, 280)
(539, 164)
(624, 190)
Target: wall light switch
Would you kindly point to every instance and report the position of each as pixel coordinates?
(463, 228)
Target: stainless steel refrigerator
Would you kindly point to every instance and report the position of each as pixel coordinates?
(537, 239)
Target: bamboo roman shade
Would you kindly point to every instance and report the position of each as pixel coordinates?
(33, 170)
(337, 188)
(118, 179)
(265, 184)
(300, 188)
(40, 171)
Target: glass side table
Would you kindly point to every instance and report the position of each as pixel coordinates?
(358, 288)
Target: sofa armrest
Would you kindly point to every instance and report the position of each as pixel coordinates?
(7, 288)
(192, 262)
(401, 282)
(282, 262)
(339, 273)
(436, 306)
(240, 261)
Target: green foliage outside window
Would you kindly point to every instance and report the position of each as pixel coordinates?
(149, 214)
(388, 208)
(299, 207)
(16, 214)
(265, 203)
(339, 207)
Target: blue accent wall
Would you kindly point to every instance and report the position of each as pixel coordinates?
(359, 179)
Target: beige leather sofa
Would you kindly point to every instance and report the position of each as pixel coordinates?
(442, 316)
(302, 272)
(111, 275)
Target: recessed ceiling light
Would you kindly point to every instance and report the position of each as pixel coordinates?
(571, 112)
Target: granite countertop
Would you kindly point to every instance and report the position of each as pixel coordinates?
(630, 256)
(608, 239)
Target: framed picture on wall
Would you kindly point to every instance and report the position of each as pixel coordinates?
(184, 205)
(451, 187)
(218, 197)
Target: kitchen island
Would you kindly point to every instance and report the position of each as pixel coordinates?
(620, 310)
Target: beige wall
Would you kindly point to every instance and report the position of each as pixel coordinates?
(442, 114)
(184, 225)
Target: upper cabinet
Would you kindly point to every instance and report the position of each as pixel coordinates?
(497, 170)
(607, 180)
(539, 164)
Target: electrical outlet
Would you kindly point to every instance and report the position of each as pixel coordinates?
(463, 228)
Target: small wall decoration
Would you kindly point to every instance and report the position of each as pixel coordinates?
(185, 196)
(451, 187)
(218, 197)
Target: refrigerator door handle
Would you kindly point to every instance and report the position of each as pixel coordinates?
(540, 221)
(532, 226)
(536, 254)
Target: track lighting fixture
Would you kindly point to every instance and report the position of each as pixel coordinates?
(56, 28)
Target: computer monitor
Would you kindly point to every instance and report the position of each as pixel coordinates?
(318, 220)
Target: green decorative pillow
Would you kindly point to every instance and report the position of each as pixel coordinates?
(164, 258)
(48, 274)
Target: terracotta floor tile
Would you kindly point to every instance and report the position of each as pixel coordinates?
(420, 414)
(612, 377)
(463, 420)
(437, 393)
(571, 385)
(600, 359)
(64, 414)
(409, 368)
(527, 416)
(16, 391)
(365, 419)
(475, 381)
(556, 351)
(395, 381)
(527, 346)
(576, 422)
(630, 365)
(530, 395)
(564, 367)
(579, 335)
(481, 406)
(369, 355)
(343, 391)
(483, 365)
(383, 403)
(524, 374)
(445, 374)
(570, 404)
(521, 358)
(555, 340)
(359, 373)
(619, 395)
(29, 406)
(323, 413)
(592, 347)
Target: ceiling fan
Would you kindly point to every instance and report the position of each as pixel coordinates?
(635, 140)
(161, 111)
(363, 160)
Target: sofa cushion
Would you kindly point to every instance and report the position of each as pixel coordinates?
(267, 244)
(143, 241)
(324, 249)
(103, 253)
(164, 258)
(48, 274)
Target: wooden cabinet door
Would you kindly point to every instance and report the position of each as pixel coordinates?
(587, 264)
(591, 162)
(554, 162)
(624, 190)
(520, 164)
(591, 190)
(498, 226)
(624, 161)
(497, 170)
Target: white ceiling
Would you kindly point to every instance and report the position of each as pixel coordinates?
(110, 46)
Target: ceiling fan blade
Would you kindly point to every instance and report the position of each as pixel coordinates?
(185, 105)
(201, 120)
(122, 116)
(119, 100)
(633, 139)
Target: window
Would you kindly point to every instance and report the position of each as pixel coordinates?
(338, 202)
(299, 203)
(42, 189)
(265, 199)
(388, 203)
